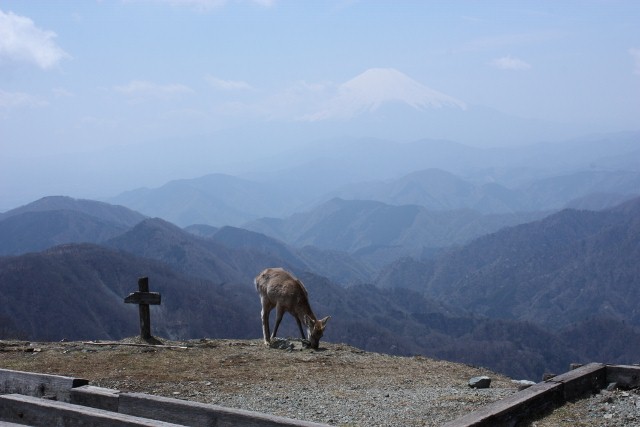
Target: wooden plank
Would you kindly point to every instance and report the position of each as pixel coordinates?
(150, 298)
(39, 385)
(108, 343)
(200, 414)
(626, 376)
(42, 412)
(96, 397)
(510, 410)
(538, 398)
(587, 379)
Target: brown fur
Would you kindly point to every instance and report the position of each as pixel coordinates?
(279, 289)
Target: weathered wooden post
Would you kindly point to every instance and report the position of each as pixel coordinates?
(144, 298)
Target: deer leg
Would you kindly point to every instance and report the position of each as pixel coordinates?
(279, 314)
(265, 323)
(300, 327)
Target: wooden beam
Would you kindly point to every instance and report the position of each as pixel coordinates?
(508, 411)
(108, 343)
(143, 298)
(150, 298)
(95, 397)
(538, 398)
(587, 379)
(200, 414)
(39, 385)
(626, 376)
(41, 412)
(179, 411)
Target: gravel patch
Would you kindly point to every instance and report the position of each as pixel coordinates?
(338, 385)
(609, 408)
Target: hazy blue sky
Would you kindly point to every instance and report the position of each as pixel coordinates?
(78, 76)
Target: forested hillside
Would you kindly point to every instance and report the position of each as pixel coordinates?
(523, 300)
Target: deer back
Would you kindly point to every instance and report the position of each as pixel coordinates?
(280, 287)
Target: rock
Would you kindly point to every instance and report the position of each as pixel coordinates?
(522, 384)
(281, 344)
(480, 382)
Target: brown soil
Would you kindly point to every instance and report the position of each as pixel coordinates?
(297, 383)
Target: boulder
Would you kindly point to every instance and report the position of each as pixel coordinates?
(480, 382)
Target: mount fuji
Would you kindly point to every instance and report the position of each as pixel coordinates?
(376, 87)
(386, 103)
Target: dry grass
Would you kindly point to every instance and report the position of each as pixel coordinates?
(232, 372)
(225, 371)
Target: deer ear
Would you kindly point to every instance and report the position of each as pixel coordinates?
(308, 321)
(324, 321)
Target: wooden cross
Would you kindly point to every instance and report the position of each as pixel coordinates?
(144, 298)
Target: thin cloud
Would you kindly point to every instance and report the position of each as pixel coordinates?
(510, 63)
(60, 92)
(197, 4)
(509, 40)
(11, 100)
(264, 3)
(221, 84)
(22, 41)
(140, 89)
(635, 54)
(301, 98)
(207, 5)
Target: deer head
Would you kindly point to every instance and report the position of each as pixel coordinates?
(315, 330)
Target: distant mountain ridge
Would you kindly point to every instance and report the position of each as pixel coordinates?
(364, 226)
(36, 231)
(101, 210)
(440, 190)
(436, 174)
(78, 293)
(55, 220)
(569, 267)
(215, 199)
(526, 299)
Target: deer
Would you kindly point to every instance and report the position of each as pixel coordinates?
(281, 290)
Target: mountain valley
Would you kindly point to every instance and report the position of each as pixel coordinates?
(521, 270)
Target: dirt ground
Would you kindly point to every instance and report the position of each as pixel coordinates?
(337, 384)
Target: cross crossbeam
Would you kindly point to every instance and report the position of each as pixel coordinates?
(144, 298)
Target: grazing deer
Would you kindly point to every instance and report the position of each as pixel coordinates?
(280, 289)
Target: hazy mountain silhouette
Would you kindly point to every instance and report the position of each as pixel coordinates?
(440, 190)
(191, 255)
(562, 190)
(36, 231)
(491, 180)
(368, 228)
(215, 199)
(202, 230)
(566, 268)
(115, 214)
(52, 221)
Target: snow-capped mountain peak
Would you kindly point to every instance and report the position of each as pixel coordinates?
(378, 86)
